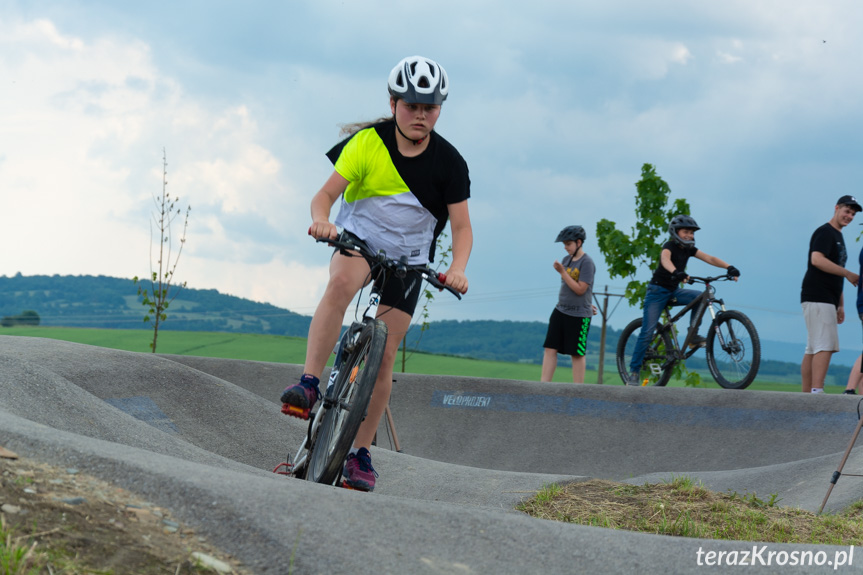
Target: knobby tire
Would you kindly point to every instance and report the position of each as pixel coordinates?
(353, 387)
(659, 352)
(734, 358)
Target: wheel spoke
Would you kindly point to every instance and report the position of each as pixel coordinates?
(657, 365)
(733, 350)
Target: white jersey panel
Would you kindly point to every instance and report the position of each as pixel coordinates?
(399, 225)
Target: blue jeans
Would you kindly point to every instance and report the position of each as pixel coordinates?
(654, 302)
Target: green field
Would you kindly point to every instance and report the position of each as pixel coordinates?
(282, 349)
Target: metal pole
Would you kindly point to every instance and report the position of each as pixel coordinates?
(838, 472)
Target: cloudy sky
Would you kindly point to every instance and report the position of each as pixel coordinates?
(750, 110)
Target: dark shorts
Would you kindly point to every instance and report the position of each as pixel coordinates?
(567, 334)
(400, 293)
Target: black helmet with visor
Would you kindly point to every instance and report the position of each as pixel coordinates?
(678, 223)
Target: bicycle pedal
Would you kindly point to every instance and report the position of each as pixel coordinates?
(294, 411)
(346, 486)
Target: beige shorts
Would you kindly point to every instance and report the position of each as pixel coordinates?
(822, 327)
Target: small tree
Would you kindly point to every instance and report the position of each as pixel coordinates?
(158, 297)
(428, 296)
(626, 254)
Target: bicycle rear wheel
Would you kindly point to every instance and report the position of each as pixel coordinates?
(654, 370)
(350, 397)
(733, 350)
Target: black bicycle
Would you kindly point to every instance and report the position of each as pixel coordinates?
(334, 425)
(733, 348)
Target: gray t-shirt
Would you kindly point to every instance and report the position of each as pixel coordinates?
(569, 302)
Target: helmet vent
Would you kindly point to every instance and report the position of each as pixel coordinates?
(418, 80)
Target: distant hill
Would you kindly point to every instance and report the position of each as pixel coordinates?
(107, 302)
(516, 341)
(793, 352)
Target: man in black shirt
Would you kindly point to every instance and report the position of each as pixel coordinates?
(821, 294)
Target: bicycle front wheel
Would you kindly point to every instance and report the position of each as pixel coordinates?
(658, 364)
(733, 350)
(352, 391)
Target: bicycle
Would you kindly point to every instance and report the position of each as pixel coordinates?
(733, 347)
(359, 351)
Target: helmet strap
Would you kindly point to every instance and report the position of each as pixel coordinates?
(411, 140)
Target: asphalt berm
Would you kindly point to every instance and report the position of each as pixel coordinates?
(200, 437)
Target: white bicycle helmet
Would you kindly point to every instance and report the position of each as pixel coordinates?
(418, 80)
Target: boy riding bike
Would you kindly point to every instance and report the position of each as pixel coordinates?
(665, 286)
(399, 182)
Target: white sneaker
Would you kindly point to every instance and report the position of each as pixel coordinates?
(817, 390)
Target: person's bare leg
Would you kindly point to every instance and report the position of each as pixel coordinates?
(549, 364)
(346, 278)
(579, 366)
(855, 378)
(820, 363)
(398, 323)
(806, 372)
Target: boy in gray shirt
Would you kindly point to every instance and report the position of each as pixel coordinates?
(570, 320)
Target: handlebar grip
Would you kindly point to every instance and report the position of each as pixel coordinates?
(441, 278)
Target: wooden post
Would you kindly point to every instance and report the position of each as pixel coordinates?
(604, 312)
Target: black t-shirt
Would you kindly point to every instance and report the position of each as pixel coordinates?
(383, 180)
(819, 286)
(679, 256)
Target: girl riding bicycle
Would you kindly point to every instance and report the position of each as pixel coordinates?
(399, 182)
(665, 286)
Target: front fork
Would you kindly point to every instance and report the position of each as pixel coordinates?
(715, 325)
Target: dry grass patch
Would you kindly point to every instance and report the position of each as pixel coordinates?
(57, 521)
(685, 508)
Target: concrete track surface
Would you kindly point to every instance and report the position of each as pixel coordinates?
(201, 436)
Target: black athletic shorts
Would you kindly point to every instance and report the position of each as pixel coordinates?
(400, 293)
(567, 334)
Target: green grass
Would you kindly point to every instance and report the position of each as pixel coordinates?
(281, 349)
(199, 343)
(681, 506)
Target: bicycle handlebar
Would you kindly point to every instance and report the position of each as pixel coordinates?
(707, 280)
(398, 267)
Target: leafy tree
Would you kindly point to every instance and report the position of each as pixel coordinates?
(158, 297)
(27, 318)
(626, 254)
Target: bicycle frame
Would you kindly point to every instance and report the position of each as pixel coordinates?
(705, 301)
